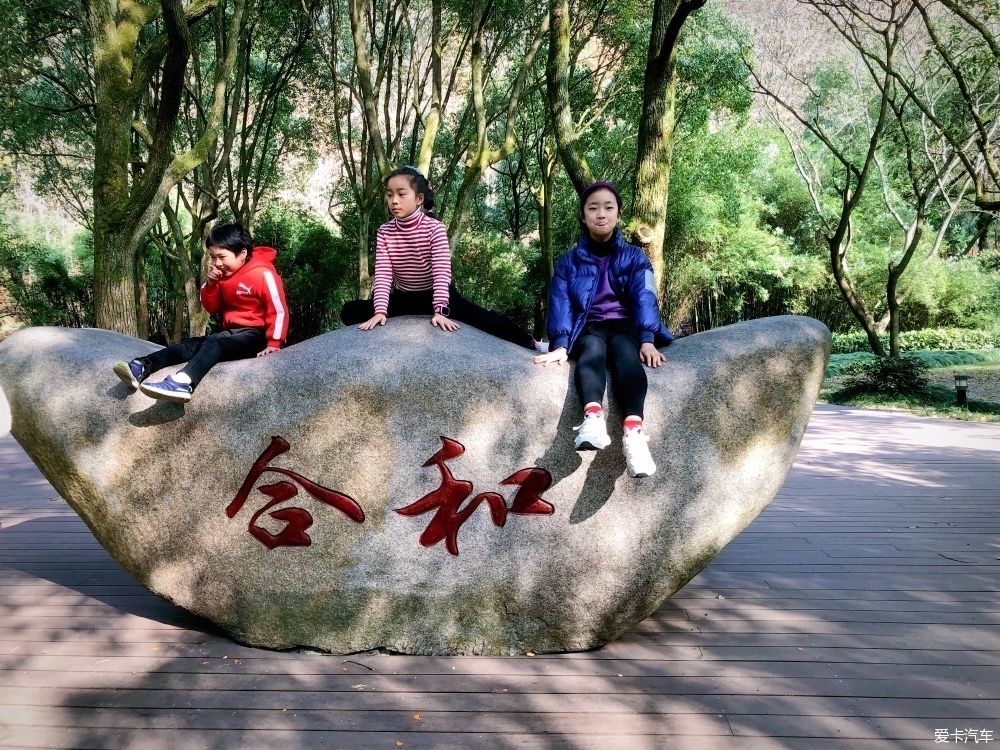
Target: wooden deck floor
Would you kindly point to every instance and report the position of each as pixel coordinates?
(860, 610)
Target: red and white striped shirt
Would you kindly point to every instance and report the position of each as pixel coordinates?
(412, 254)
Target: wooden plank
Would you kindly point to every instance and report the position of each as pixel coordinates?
(597, 723)
(31, 700)
(653, 685)
(162, 739)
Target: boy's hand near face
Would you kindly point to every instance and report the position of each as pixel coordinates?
(214, 274)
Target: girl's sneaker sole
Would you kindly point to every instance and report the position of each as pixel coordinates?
(586, 445)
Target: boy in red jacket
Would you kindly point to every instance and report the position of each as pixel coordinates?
(245, 287)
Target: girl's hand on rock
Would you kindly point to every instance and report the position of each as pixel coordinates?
(444, 323)
(558, 356)
(376, 320)
(650, 355)
(267, 350)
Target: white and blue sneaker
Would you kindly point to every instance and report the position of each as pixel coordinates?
(168, 389)
(131, 373)
(592, 433)
(638, 462)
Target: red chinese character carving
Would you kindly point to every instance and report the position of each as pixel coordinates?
(528, 499)
(296, 520)
(448, 497)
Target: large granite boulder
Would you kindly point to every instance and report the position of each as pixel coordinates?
(413, 489)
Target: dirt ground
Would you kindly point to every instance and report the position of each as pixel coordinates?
(983, 385)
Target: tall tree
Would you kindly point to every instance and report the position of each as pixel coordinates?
(655, 129)
(894, 135)
(657, 125)
(480, 154)
(259, 128)
(380, 58)
(134, 176)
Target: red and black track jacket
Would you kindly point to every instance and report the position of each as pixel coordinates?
(253, 297)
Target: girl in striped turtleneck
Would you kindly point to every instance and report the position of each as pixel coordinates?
(413, 269)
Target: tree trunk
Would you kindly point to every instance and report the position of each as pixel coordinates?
(364, 277)
(652, 174)
(114, 248)
(433, 122)
(657, 122)
(114, 278)
(124, 212)
(548, 165)
(466, 196)
(141, 294)
(896, 271)
(481, 154)
(980, 241)
(854, 302)
(557, 86)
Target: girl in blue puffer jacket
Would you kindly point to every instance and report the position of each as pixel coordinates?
(603, 314)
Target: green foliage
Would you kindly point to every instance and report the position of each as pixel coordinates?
(933, 359)
(500, 275)
(38, 287)
(892, 376)
(935, 338)
(744, 238)
(720, 252)
(314, 265)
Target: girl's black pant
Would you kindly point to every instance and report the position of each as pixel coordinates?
(460, 309)
(610, 345)
(203, 352)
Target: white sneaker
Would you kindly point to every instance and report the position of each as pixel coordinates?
(637, 459)
(592, 434)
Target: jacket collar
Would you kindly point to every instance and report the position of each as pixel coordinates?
(583, 245)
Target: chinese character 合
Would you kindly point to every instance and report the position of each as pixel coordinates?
(296, 520)
(448, 497)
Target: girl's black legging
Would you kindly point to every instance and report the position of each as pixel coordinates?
(460, 309)
(610, 344)
(203, 352)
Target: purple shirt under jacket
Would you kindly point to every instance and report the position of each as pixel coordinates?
(605, 305)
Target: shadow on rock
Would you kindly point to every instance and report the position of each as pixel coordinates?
(159, 413)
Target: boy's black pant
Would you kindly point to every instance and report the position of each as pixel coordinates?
(613, 343)
(203, 352)
(460, 309)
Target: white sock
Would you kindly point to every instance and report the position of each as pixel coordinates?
(181, 377)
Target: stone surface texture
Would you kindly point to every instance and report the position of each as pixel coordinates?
(362, 413)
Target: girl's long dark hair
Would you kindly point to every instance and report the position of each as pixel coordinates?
(419, 184)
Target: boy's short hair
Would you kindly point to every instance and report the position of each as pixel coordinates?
(232, 236)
